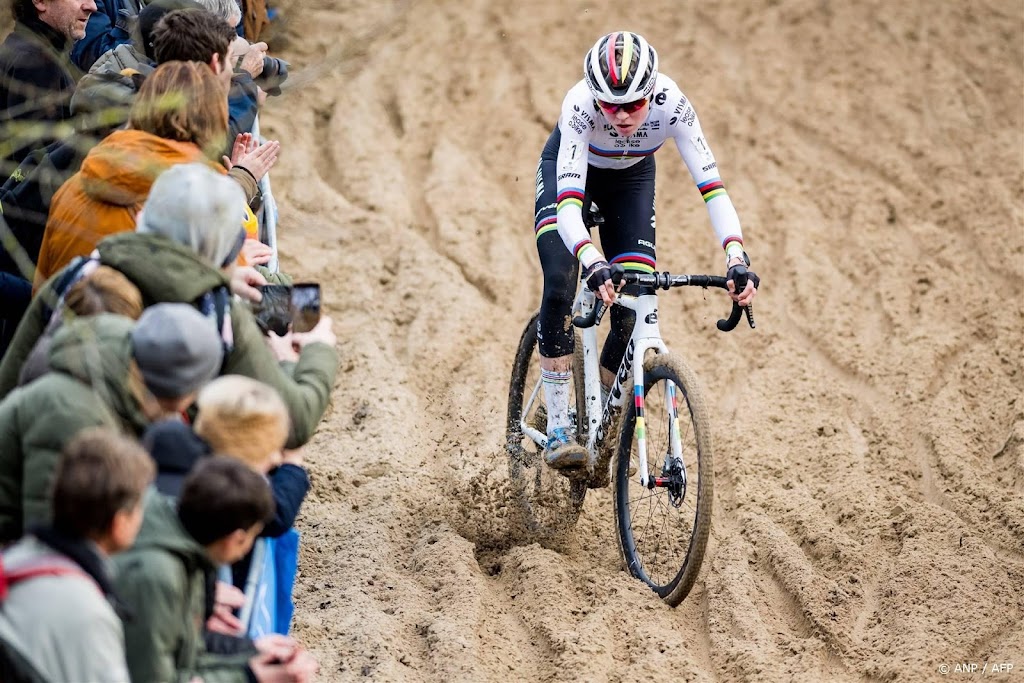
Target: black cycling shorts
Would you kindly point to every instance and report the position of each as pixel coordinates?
(625, 198)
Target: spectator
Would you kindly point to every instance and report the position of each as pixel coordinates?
(166, 578)
(58, 621)
(104, 290)
(179, 116)
(106, 371)
(243, 419)
(184, 251)
(101, 104)
(227, 10)
(112, 23)
(194, 35)
(115, 77)
(36, 78)
(248, 58)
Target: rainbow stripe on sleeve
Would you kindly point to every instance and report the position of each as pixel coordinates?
(710, 189)
(582, 247)
(570, 196)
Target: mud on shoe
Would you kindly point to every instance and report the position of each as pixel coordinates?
(562, 452)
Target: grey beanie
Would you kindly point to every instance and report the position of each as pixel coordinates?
(196, 207)
(177, 349)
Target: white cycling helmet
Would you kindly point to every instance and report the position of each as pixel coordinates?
(620, 68)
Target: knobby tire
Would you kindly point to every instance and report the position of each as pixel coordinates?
(640, 512)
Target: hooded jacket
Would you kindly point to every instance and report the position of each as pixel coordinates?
(163, 579)
(168, 272)
(86, 387)
(104, 197)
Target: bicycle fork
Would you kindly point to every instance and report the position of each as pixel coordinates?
(646, 336)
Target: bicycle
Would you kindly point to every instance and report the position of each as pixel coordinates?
(620, 426)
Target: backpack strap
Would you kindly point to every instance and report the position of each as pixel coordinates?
(51, 565)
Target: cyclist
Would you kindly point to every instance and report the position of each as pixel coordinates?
(602, 150)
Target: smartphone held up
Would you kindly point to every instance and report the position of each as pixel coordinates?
(285, 308)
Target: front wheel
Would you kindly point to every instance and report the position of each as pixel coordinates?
(663, 528)
(549, 502)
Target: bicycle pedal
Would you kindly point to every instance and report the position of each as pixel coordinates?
(575, 473)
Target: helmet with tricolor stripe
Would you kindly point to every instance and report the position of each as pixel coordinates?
(620, 68)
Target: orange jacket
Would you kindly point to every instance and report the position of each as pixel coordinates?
(105, 196)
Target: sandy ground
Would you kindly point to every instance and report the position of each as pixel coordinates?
(869, 518)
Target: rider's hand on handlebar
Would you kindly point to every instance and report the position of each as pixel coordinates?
(599, 279)
(746, 297)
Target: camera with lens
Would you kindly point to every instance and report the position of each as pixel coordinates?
(275, 72)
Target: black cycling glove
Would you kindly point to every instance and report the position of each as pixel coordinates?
(600, 272)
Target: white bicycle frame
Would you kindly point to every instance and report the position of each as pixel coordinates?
(646, 336)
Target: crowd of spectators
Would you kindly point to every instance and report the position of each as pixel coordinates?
(150, 426)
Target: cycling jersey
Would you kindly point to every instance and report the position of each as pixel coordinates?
(588, 139)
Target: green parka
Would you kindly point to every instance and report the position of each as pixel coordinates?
(167, 272)
(86, 387)
(162, 579)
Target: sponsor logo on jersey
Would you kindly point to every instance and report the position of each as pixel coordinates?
(713, 164)
(583, 115)
(660, 98)
(578, 124)
(565, 176)
(546, 207)
(645, 243)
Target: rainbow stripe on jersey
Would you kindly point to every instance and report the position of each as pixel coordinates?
(623, 153)
(635, 261)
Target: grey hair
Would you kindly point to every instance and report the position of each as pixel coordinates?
(228, 10)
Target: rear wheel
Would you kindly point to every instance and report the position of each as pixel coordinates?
(663, 529)
(549, 502)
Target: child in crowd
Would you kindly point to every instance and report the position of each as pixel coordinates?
(166, 578)
(245, 419)
(58, 621)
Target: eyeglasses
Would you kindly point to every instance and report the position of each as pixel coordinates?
(628, 107)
